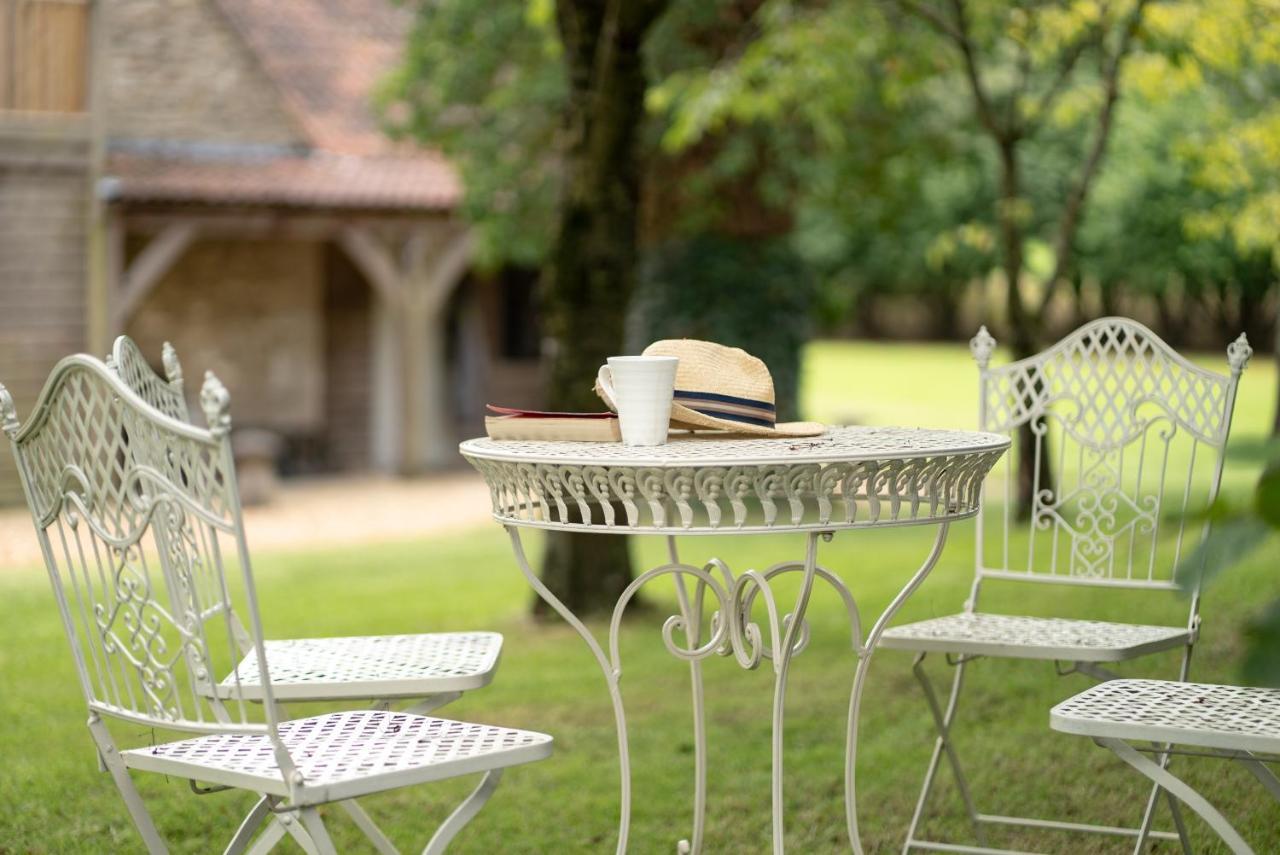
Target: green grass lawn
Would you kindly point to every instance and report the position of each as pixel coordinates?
(54, 799)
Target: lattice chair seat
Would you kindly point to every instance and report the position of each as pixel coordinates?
(1229, 718)
(1013, 637)
(382, 666)
(346, 755)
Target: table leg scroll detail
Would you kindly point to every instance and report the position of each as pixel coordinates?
(619, 715)
(859, 682)
(732, 632)
(610, 664)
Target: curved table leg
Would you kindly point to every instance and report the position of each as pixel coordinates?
(610, 676)
(783, 652)
(693, 629)
(736, 632)
(859, 681)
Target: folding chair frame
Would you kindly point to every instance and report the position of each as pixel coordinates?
(1020, 396)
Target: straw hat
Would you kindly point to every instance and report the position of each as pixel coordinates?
(723, 388)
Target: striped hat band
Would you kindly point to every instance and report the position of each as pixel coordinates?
(742, 410)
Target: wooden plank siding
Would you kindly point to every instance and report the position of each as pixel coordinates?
(348, 319)
(44, 186)
(44, 50)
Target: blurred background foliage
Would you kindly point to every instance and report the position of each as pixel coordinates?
(850, 129)
(1239, 530)
(904, 168)
(691, 289)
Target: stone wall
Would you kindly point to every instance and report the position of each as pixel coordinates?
(176, 70)
(44, 189)
(253, 313)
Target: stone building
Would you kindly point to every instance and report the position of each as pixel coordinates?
(212, 173)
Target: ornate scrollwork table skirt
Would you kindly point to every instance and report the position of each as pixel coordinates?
(848, 478)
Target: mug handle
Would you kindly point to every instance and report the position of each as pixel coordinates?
(604, 387)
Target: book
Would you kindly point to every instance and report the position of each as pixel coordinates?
(511, 423)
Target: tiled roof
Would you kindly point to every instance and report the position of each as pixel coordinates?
(326, 58)
(318, 180)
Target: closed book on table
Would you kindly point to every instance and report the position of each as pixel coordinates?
(509, 423)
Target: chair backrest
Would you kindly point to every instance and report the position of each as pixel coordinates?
(137, 515)
(166, 395)
(1133, 436)
(169, 397)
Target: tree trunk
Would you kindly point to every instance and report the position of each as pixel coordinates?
(1023, 333)
(1007, 129)
(942, 305)
(1173, 322)
(1078, 310)
(1275, 422)
(1110, 294)
(592, 268)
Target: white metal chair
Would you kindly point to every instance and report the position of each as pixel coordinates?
(1137, 435)
(1230, 722)
(432, 668)
(137, 514)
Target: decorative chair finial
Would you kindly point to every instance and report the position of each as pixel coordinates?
(1238, 353)
(8, 412)
(215, 400)
(981, 346)
(172, 367)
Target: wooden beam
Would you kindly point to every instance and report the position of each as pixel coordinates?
(375, 261)
(416, 286)
(112, 261)
(99, 279)
(256, 222)
(446, 271)
(155, 260)
(433, 264)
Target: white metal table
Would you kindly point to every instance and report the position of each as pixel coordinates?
(853, 477)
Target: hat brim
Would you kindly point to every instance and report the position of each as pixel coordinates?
(683, 418)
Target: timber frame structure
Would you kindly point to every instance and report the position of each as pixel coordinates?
(215, 172)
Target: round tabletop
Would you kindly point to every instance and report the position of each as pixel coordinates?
(705, 483)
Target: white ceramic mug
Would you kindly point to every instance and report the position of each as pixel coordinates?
(640, 389)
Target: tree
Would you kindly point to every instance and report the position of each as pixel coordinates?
(1158, 204)
(485, 84)
(1199, 200)
(542, 106)
(593, 265)
(483, 81)
(719, 262)
(1017, 64)
(1038, 53)
(1234, 152)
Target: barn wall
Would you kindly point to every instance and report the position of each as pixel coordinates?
(44, 188)
(348, 348)
(251, 311)
(176, 70)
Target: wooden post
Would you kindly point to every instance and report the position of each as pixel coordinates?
(98, 282)
(434, 266)
(416, 289)
(112, 260)
(148, 268)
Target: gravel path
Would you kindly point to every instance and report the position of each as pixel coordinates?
(319, 512)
